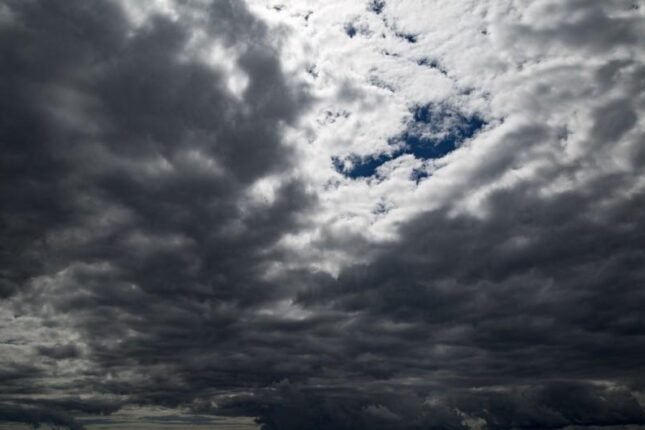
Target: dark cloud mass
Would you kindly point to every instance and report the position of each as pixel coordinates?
(140, 269)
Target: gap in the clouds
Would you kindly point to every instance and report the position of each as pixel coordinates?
(433, 64)
(419, 174)
(356, 167)
(376, 6)
(437, 131)
(381, 208)
(433, 132)
(350, 30)
(409, 37)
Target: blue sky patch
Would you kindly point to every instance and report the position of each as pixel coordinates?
(419, 175)
(409, 37)
(433, 132)
(360, 167)
(436, 131)
(350, 30)
(433, 64)
(376, 6)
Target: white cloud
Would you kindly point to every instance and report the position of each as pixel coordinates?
(480, 60)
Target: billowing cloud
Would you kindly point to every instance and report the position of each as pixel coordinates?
(322, 215)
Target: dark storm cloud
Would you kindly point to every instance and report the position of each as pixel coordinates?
(547, 288)
(290, 407)
(126, 220)
(127, 166)
(508, 320)
(37, 416)
(60, 351)
(556, 405)
(551, 406)
(85, 108)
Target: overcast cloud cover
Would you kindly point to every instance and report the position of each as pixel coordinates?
(322, 214)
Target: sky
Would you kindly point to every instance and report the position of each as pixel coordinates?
(322, 214)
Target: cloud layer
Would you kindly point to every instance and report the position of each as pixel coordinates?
(323, 215)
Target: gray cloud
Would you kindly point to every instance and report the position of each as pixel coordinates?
(127, 168)
(38, 416)
(581, 24)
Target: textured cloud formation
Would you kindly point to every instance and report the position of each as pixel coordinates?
(322, 215)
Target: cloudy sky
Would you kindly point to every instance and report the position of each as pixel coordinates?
(322, 214)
